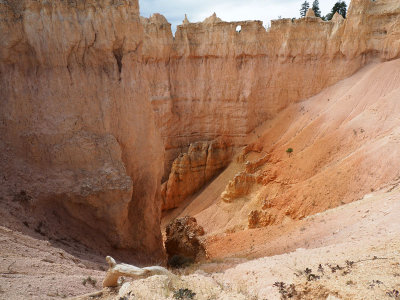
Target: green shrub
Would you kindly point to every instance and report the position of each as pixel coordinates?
(289, 150)
(183, 294)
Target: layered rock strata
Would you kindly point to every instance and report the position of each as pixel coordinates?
(77, 131)
(192, 170)
(345, 145)
(211, 80)
(79, 81)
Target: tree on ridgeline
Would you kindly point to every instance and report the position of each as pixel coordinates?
(304, 7)
(315, 8)
(340, 7)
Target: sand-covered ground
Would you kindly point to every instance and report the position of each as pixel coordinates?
(362, 238)
(350, 252)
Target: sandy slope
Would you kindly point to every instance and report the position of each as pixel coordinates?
(362, 238)
(346, 144)
(32, 268)
(376, 214)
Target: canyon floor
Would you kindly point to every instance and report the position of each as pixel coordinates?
(345, 247)
(352, 252)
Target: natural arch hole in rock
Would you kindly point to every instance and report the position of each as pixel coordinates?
(238, 28)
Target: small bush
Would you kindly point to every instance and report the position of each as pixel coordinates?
(394, 294)
(311, 277)
(183, 294)
(89, 280)
(289, 150)
(180, 261)
(286, 291)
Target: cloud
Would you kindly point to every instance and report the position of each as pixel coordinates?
(227, 10)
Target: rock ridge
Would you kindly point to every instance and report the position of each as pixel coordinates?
(210, 80)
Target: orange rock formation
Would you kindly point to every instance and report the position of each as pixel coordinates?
(80, 81)
(77, 130)
(345, 143)
(211, 81)
(192, 170)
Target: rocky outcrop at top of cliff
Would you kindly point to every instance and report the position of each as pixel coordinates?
(211, 80)
(77, 130)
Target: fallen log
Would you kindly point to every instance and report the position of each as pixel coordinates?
(116, 270)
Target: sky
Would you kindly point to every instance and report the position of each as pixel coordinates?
(227, 10)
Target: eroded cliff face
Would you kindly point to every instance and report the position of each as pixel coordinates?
(192, 170)
(80, 81)
(77, 129)
(213, 81)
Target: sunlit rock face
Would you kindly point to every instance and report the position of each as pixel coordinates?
(212, 80)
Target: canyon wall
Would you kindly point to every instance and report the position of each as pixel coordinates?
(192, 170)
(211, 80)
(86, 87)
(77, 130)
(344, 143)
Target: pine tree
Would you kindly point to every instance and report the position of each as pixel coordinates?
(339, 7)
(342, 8)
(315, 8)
(304, 7)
